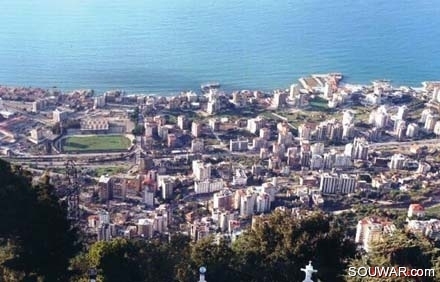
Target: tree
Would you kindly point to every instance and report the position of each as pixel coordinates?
(123, 260)
(280, 245)
(116, 260)
(217, 257)
(35, 231)
(56, 128)
(135, 115)
(138, 130)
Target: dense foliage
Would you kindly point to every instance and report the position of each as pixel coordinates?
(274, 250)
(36, 240)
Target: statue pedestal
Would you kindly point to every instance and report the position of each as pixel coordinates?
(202, 272)
(309, 272)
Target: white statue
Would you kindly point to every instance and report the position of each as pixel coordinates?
(202, 271)
(309, 272)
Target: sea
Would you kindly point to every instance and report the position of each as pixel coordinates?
(167, 46)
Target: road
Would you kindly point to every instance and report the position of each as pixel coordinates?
(284, 119)
(62, 164)
(138, 149)
(71, 156)
(427, 142)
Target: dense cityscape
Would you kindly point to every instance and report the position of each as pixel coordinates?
(212, 166)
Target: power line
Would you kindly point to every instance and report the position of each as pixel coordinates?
(73, 191)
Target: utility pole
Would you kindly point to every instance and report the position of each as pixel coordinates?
(73, 192)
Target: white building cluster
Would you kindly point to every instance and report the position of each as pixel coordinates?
(238, 145)
(380, 117)
(95, 125)
(240, 178)
(371, 230)
(156, 221)
(255, 124)
(254, 200)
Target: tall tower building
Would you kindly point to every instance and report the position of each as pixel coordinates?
(196, 129)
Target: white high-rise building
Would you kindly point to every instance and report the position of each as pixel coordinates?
(348, 131)
(348, 118)
(431, 119)
(254, 124)
(196, 129)
(150, 128)
(201, 171)
(425, 114)
(167, 186)
(397, 162)
(293, 92)
(334, 184)
(212, 106)
(360, 149)
(279, 99)
(412, 130)
(99, 101)
(317, 148)
(149, 196)
(381, 117)
(224, 218)
(329, 183)
(223, 200)
(401, 112)
(183, 122)
(214, 124)
(348, 150)
(239, 145)
(437, 128)
(59, 115)
(208, 186)
(265, 133)
(263, 203)
(436, 94)
(328, 91)
(347, 184)
(304, 132)
(399, 129)
(104, 232)
(316, 162)
(247, 204)
(240, 178)
(104, 217)
(197, 146)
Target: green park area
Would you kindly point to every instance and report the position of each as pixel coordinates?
(96, 143)
(109, 170)
(319, 104)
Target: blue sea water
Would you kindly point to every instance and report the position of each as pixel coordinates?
(167, 46)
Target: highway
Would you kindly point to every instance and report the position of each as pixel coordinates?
(81, 158)
(62, 164)
(71, 156)
(426, 142)
(284, 119)
(433, 141)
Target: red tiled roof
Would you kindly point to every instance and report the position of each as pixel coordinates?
(416, 207)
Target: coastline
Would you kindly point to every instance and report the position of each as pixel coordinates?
(346, 80)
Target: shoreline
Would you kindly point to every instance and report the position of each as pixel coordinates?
(345, 81)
